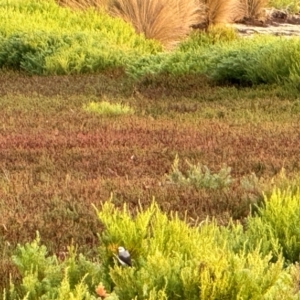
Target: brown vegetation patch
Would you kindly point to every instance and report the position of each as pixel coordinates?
(99, 84)
(139, 146)
(56, 160)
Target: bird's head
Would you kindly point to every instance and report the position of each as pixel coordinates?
(121, 249)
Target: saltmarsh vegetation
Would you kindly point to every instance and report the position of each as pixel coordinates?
(254, 259)
(199, 176)
(172, 260)
(291, 6)
(259, 60)
(63, 41)
(47, 39)
(108, 109)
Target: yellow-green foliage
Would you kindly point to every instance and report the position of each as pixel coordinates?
(64, 292)
(175, 261)
(292, 6)
(45, 277)
(108, 109)
(261, 59)
(170, 259)
(47, 16)
(276, 224)
(84, 4)
(221, 33)
(41, 37)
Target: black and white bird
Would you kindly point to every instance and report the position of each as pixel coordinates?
(124, 257)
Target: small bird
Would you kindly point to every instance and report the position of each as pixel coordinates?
(123, 257)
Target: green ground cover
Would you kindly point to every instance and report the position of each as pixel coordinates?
(45, 44)
(201, 145)
(47, 39)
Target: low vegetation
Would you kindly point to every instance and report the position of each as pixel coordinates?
(200, 176)
(58, 159)
(170, 259)
(68, 48)
(291, 6)
(191, 137)
(108, 109)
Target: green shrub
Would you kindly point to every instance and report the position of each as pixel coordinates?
(225, 58)
(46, 277)
(43, 54)
(46, 16)
(229, 64)
(174, 261)
(276, 225)
(108, 109)
(277, 62)
(26, 51)
(47, 39)
(199, 176)
(191, 57)
(176, 63)
(171, 260)
(291, 6)
(257, 60)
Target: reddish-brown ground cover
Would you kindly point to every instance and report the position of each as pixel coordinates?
(56, 159)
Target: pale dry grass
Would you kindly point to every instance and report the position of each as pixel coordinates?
(164, 20)
(254, 9)
(223, 11)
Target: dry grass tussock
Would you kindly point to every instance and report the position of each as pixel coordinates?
(164, 20)
(254, 9)
(170, 20)
(223, 11)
